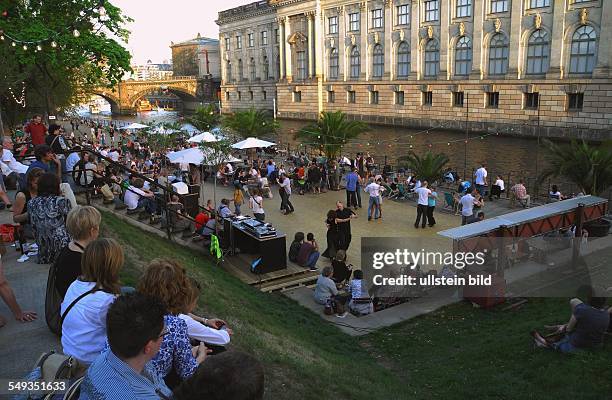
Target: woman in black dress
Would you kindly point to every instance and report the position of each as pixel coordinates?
(332, 235)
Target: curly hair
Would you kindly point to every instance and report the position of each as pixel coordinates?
(167, 280)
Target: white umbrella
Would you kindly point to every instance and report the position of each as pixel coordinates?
(134, 125)
(251, 143)
(165, 131)
(190, 156)
(204, 137)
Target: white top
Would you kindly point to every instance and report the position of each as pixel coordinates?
(104, 153)
(481, 175)
(423, 193)
(467, 205)
(72, 160)
(14, 165)
(132, 195)
(114, 155)
(184, 166)
(286, 184)
(181, 187)
(198, 331)
(256, 202)
(254, 173)
(500, 183)
(373, 189)
(229, 167)
(84, 329)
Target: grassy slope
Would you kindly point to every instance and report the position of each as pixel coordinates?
(455, 353)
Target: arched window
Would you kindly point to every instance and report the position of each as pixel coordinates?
(498, 55)
(582, 54)
(538, 52)
(403, 60)
(378, 61)
(333, 63)
(432, 58)
(252, 69)
(463, 56)
(265, 68)
(240, 70)
(228, 71)
(355, 63)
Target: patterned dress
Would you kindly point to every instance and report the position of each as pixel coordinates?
(175, 350)
(48, 218)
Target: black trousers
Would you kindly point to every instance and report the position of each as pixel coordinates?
(351, 198)
(421, 214)
(285, 203)
(431, 221)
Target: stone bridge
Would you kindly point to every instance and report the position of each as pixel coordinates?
(124, 97)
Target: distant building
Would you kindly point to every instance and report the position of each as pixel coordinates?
(151, 71)
(197, 57)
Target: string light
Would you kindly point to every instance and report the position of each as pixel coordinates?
(53, 44)
(76, 33)
(22, 100)
(25, 47)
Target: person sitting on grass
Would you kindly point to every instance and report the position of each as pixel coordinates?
(309, 253)
(584, 330)
(327, 294)
(296, 245)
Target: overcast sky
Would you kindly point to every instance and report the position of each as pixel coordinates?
(156, 23)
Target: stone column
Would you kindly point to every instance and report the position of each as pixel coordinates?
(514, 31)
(287, 51)
(477, 40)
(387, 36)
(281, 48)
(556, 40)
(604, 52)
(444, 36)
(415, 51)
(310, 43)
(363, 30)
(340, 44)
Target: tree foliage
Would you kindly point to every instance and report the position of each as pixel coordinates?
(205, 118)
(588, 166)
(56, 77)
(331, 132)
(250, 123)
(429, 167)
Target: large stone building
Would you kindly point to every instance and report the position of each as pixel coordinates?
(198, 57)
(505, 65)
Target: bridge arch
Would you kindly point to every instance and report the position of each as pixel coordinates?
(113, 100)
(186, 94)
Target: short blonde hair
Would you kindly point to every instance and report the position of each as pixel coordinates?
(81, 220)
(101, 262)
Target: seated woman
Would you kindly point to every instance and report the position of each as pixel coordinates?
(498, 188)
(167, 280)
(83, 225)
(361, 302)
(296, 245)
(20, 206)
(213, 332)
(342, 271)
(555, 194)
(87, 300)
(584, 330)
(48, 212)
(327, 294)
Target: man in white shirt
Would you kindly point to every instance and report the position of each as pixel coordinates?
(467, 206)
(285, 191)
(481, 179)
(373, 189)
(9, 159)
(423, 194)
(135, 197)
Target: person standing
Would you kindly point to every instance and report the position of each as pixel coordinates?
(37, 130)
(467, 205)
(373, 189)
(285, 192)
(352, 180)
(481, 179)
(332, 235)
(431, 206)
(343, 221)
(256, 204)
(423, 194)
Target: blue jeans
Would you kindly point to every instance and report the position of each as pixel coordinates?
(312, 259)
(482, 189)
(237, 206)
(374, 203)
(564, 345)
(148, 203)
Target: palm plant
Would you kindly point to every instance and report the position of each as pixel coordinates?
(429, 167)
(205, 118)
(250, 123)
(331, 132)
(588, 166)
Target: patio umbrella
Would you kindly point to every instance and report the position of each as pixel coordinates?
(190, 156)
(251, 143)
(165, 131)
(134, 125)
(204, 137)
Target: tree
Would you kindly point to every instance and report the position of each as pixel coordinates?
(331, 132)
(205, 118)
(62, 50)
(251, 123)
(429, 167)
(216, 154)
(588, 166)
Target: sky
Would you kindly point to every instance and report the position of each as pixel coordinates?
(156, 23)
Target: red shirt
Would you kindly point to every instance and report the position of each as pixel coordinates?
(37, 132)
(200, 220)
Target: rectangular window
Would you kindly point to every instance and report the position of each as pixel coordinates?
(227, 44)
(377, 18)
(432, 10)
(333, 25)
(464, 8)
(239, 95)
(499, 6)
(492, 99)
(351, 97)
(331, 96)
(276, 36)
(427, 98)
(532, 100)
(264, 38)
(399, 98)
(297, 97)
(251, 40)
(264, 95)
(374, 97)
(403, 14)
(238, 42)
(250, 95)
(538, 3)
(574, 101)
(457, 99)
(301, 65)
(227, 96)
(354, 22)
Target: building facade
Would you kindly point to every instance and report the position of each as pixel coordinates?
(150, 71)
(513, 66)
(198, 57)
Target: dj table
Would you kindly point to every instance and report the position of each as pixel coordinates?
(254, 237)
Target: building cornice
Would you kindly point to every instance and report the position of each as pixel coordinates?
(247, 11)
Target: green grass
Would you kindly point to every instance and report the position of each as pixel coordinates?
(455, 353)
